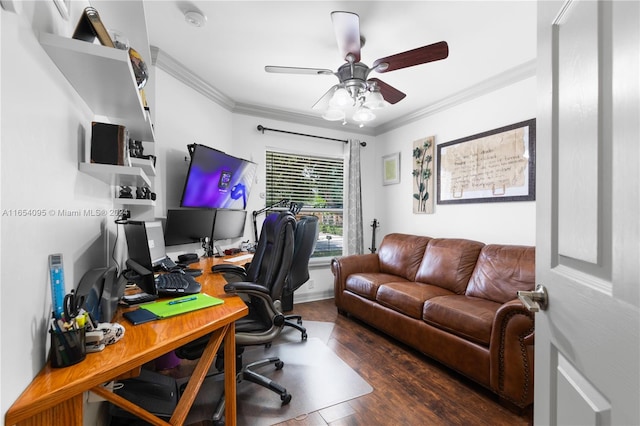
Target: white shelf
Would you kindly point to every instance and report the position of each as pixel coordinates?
(133, 202)
(117, 175)
(145, 164)
(104, 78)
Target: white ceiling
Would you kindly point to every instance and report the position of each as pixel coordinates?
(490, 43)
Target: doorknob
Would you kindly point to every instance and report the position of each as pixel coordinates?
(534, 300)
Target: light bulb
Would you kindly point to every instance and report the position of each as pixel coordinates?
(363, 114)
(374, 100)
(341, 98)
(333, 114)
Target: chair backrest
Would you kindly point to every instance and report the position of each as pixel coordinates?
(306, 236)
(274, 253)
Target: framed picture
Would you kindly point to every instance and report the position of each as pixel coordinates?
(494, 166)
(423, 175)
(391, 169)
(63, 8)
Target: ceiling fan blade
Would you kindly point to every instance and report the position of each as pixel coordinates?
(421, 55)
(389, 93)
(297, 70)
(323, 102)
(346, 25)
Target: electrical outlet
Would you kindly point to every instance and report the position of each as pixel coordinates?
(310, 284)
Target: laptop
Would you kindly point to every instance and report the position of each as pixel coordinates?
(145, 241)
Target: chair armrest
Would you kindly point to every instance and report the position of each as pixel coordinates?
(233, 269)
(512, 353)
(248, 288)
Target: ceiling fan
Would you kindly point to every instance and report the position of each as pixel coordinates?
(355, 88)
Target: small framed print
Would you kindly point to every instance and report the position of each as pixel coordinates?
(391, 169)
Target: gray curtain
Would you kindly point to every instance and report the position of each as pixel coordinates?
(353, 212)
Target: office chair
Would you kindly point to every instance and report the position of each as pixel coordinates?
(306, 236)
(262, 291)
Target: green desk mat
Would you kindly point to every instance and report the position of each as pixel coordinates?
(169, 308)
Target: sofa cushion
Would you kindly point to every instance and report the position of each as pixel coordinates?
(501, 271)
(408, 297)
(449, 262)
(401, 254)
(468, 317)
(366, 284)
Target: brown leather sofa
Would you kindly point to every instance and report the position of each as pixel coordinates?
(452, 299)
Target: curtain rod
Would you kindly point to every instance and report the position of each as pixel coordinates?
(261, 128)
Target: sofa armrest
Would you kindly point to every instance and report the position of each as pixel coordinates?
(512, 353)
(342, 267)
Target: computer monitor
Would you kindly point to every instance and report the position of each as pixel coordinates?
(229, 224)
(186, 226)
(145, 241)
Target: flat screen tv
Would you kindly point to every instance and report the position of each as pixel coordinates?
(217, 180)
(186, 226)
(229, 224)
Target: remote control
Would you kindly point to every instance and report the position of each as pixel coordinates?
(58, 291)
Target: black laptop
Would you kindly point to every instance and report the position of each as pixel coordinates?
(147, 253)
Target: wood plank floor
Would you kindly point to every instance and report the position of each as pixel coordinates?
(409, 388)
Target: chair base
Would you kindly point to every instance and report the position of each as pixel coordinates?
(246, 373)
(288, 321)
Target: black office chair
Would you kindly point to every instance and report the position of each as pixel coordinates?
(262, 292)
(305, 239)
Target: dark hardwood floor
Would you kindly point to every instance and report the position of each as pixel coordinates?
(409, 388)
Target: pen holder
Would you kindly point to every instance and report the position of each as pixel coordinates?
(67, 347)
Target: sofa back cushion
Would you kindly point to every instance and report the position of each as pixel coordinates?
(501, 271)
(401, 254)
(448, 263)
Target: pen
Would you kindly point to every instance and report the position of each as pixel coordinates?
(175, 302)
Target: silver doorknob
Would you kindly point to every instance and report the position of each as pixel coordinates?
(534, 300)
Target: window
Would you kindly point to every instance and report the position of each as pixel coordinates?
(317, 183)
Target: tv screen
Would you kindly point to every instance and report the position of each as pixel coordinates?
(229, 224)
(188, 226)
(217, 180)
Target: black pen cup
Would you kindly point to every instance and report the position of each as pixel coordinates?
(67, 347)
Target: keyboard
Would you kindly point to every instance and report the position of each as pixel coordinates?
(177, 283)
(239, 258)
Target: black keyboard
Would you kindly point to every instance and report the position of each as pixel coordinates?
(177, 283)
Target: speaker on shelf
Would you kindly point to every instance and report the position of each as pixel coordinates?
(109, 144)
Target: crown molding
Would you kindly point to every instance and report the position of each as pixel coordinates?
(499, 81)
(174, 68)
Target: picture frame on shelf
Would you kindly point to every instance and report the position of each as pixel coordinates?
(391, 169)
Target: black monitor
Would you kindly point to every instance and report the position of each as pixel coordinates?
(186, 226)
(229, 224)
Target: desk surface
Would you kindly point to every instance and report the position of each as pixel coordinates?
(140, 344)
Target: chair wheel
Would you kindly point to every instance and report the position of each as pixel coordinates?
(299, 321)
(286, 398)
(279, 365)
(304, 336)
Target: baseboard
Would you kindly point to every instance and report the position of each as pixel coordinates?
(312, 296)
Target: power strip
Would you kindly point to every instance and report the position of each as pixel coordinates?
(93, 397)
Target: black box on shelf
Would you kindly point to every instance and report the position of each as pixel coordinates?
(109, 144)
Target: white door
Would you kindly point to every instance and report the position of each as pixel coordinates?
(587, 347)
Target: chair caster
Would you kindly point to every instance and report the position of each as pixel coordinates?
(299, 321)
(279, 366)
(304, 336)
(286, 398)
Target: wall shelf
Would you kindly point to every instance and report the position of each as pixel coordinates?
(104, 78)
(133, 202)
(117, 175)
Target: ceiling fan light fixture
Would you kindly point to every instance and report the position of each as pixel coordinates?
(363, 115)
(195, 18)
(374, 100)
(333, 114)
(341, 98)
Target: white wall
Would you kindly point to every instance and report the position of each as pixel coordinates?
(43, 131)
(506, 223)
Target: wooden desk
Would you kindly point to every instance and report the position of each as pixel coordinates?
(55, 396)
